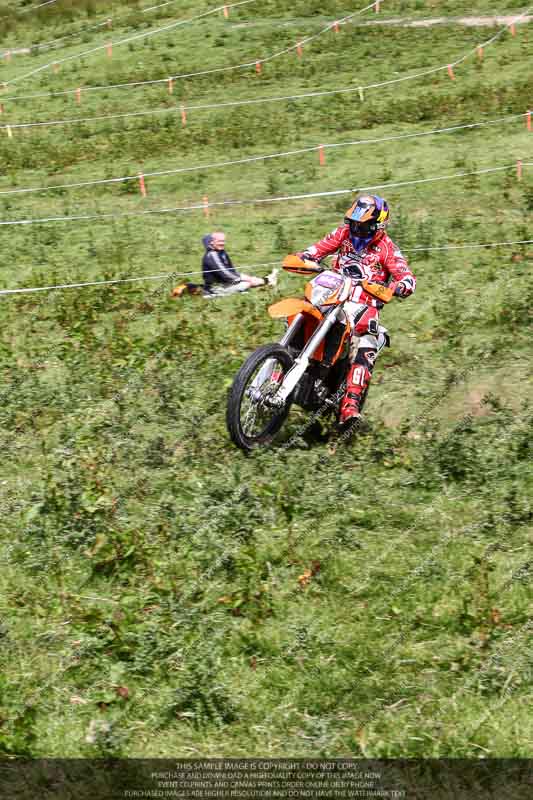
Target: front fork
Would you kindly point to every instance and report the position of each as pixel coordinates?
(292, 329)
(302, 361)
(267, 370)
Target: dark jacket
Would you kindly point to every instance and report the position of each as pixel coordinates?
(217, 266)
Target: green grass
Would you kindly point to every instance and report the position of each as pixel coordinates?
(151, 574)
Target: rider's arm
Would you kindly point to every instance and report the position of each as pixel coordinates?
(398, 267)
(329, 244)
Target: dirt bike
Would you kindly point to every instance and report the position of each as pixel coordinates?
(309, 364)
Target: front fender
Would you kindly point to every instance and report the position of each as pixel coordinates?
(292, 306)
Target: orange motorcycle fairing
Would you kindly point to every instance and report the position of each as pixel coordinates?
(299, 266)
(292, 306)
(332, 299)
(340, 348)
(383, 293)
(320, 353)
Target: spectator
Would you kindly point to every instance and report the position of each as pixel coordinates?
(220, 276)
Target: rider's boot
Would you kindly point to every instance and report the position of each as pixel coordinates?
(357, 384)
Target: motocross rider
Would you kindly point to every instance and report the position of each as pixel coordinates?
(363, 250)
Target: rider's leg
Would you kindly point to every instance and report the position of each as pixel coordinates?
(371, 338)
(358, 379)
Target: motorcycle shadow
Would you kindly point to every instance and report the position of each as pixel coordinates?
(323, 432)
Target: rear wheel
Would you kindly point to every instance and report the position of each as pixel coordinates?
(251, 418)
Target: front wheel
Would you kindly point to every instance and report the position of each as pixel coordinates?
(251, 419)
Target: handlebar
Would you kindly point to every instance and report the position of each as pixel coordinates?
(301, 266)
(381, 291)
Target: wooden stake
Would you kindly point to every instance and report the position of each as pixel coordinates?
(183, 116)
(78, 95)
(206, 206)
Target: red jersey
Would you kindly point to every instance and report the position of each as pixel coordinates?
(380, 260)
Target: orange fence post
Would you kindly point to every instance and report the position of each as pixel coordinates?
(170, 85)
(226, 12)
(206, 206)
(519, 169)
(78, 95)
(258, 67)
(450, 72)
(299, 50)
(109, 49)
(321, 156)
(480, 52)
(528, 120)
(142, 185)
(183, 116)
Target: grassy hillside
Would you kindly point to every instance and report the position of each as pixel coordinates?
(163, 594)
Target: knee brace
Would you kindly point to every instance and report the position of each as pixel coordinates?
(366, 357)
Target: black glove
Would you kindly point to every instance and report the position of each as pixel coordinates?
(305, 256)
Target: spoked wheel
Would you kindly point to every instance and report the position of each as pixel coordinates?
(251, 418)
